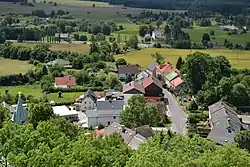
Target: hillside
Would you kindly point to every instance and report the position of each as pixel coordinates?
(214, 5)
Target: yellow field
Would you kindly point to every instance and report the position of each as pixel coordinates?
(143, 57)
(8, 66)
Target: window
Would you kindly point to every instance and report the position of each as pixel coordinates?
(114, 117)
(90, 102)
(85, 102)
(108, 122)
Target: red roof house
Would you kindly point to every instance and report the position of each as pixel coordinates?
(167, 68)
(65, 82)
(177, 83)
(133, 88)
(152, 86)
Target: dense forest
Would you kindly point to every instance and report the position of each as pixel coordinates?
(222, 6)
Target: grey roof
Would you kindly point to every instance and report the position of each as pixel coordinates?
(142, 75)
(124, 69)
(60, 62)
(225, 122)
(110, 105)
(21, 114)
(127, 134)
(90, 94)
(130, 137)
(152, 66)
(144, 131)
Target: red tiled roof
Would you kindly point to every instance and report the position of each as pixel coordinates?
(66, 80)
(148, 81)
(99, 132)
(153, 97)
(133, 85)
(177, 81)
(167, 68)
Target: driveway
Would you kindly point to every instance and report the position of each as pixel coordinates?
(178, 116)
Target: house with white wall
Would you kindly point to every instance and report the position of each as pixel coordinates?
(88, 102)
(157, 34)
(126, 71)
(105, 113)
(65, 82)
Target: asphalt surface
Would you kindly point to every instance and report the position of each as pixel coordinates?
(178, 116)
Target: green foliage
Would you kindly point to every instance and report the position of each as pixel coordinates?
(178, 151)
(120, 61)
(205, 37)
(39, 112)
(179, 63)
(242, 138)
(143, 30)
(133, 42)
(56, 143)
(158, 58)
(4, 115)
(138, 113)
(46, 83)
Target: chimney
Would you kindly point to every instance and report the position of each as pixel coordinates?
(123, 128)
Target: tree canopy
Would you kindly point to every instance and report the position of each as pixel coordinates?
(138, 113)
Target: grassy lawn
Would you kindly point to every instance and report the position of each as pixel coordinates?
(220, 35)
(8, 66)
(143, 57)
(33, 90)
(36, 91)
(66, 97)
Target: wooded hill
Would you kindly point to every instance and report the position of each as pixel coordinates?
(224, 6)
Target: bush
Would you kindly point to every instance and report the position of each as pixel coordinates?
(83, 38)
(157, 45)
(212, 32)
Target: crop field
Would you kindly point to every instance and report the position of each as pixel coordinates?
(8, 66)
(238, 59)
(219, 37)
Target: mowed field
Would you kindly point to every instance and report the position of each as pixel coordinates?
(36, 92)
(82, 48)
(143, 57)
(8, 66)
(219, 37)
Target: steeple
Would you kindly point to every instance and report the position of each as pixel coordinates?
(20, 116)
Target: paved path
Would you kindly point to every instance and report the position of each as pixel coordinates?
(178, 116)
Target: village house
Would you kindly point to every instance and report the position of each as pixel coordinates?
(65, 82)
(152, 86)
(63, 36)
(68, 113)
(224, 123)
(157, 34)
(177, 84)
(127, 71)
(105, 113)
(88, 101)
(132, 138)
(164, 69)
(151, 69)
(59, 62)
(133, 88)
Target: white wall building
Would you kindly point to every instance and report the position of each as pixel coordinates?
(157, 35)
(68, 113)
(105, 113)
